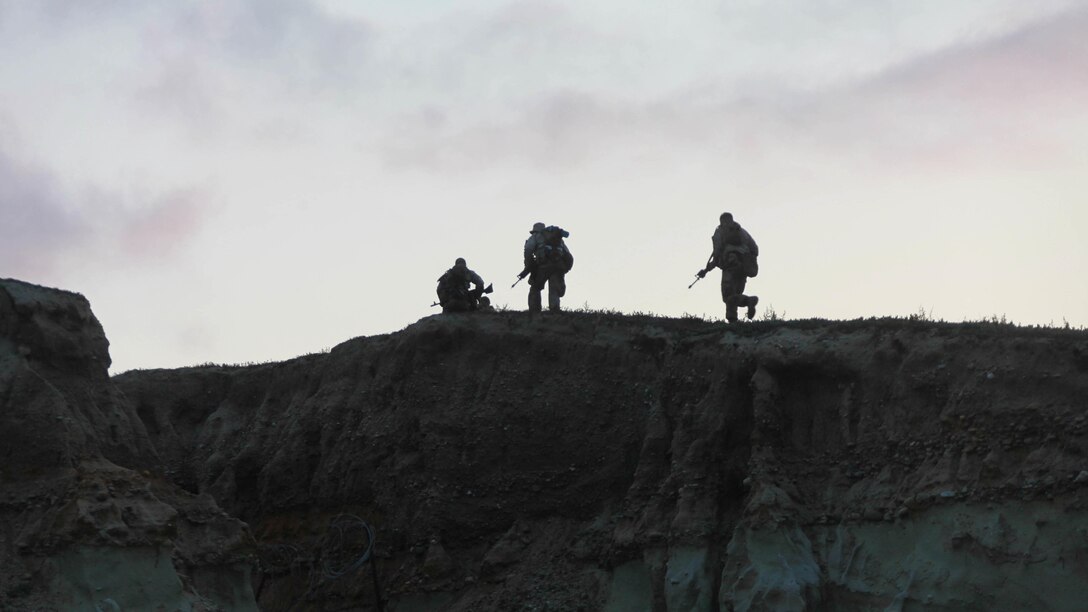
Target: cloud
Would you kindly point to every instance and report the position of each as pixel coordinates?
(163, 227)
(294, 44)
(237, 64)
(35, 222)
(529, 27)
(187, 90)
(72, 13)
(42, 224)
(207, 65)
(1006, 100)
(1043, 62)
(555, 130)
(1014, 100)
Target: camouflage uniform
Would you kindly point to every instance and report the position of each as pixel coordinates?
(547, 264)
(735, 253)
(535, 241)
(453, 288)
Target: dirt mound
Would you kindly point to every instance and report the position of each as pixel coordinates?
(587, 461)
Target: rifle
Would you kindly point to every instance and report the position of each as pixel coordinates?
(484, 291)
(702, 273)
(521, 277)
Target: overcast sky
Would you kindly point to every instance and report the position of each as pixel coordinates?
(251, 180)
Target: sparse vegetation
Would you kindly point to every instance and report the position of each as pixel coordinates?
(771, 315)
(922, 314)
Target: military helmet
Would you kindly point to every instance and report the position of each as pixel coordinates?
(726, 217)
(460, 262)
(537, 228)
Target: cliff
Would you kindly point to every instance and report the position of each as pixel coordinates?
(578, 461)
(88, 521)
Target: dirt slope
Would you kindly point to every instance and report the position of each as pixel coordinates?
(592, 462)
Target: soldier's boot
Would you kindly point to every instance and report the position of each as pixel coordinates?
(731, 304)
(752, 301)
(534, 301)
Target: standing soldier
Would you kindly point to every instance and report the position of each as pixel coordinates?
(534, 241)
(735, 252)
(547, 261)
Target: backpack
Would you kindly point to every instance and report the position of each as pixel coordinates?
(553, 252)
(452, 285)
(736, 240)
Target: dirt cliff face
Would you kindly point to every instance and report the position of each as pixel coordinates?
(586, 461)
(86, 524)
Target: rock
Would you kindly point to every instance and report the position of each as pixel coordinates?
(437, 563)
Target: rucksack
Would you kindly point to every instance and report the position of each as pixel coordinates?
(552, 252)
(736, 240)
(453, 284)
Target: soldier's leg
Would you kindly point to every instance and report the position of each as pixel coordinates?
(557, 288)
(731, 308)
(536, 285)
(473, 298)
(456, 305)
(737, 283)
(752, 301)
(730, 295)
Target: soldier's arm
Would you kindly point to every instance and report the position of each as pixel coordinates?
(530, 246)
(715, 243)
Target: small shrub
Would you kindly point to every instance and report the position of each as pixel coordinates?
(771, 315)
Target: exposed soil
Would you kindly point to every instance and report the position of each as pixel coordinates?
(576, 461)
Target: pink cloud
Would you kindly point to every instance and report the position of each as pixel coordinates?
(1007, 102)
(1045, 63)
(42, 224)
(158, 231)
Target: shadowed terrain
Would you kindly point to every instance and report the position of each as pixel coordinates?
(558, 462)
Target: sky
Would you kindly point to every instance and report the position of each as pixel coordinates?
(251, 180)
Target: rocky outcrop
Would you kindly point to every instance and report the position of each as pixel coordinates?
(594, 461)
(58, 403)
(602, 462)
(87, 522)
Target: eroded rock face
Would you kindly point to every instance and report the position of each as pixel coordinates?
(86, 521)
(601, 462)
(595, 462)
(54, 385)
